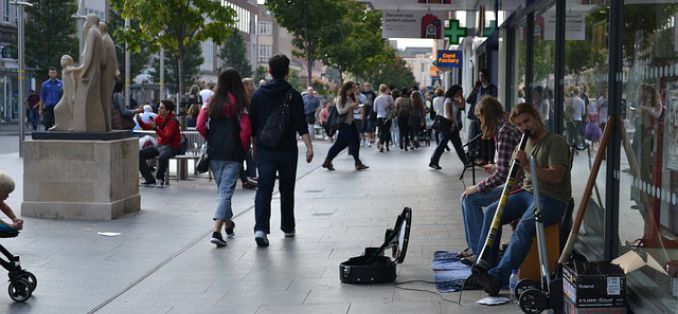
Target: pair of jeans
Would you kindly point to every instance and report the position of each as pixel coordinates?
(268, 163)
(34, 118)
(225, 174)
(472, 213)
(456, 142)
(48, 117)
(519, 206)
(348, 137)
(404, 129)
(164, 153)
(384, 127)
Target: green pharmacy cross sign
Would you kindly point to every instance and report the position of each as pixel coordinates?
(453, 31)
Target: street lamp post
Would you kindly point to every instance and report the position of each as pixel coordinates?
(128, 68)
(22, 112)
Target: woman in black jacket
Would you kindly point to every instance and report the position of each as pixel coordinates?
(227, 133)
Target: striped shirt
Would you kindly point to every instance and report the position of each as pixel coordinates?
(507, 139)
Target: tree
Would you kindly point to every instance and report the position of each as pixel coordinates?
(260, 74)
(308, 21)
(176, 25)
(50, 34)
(392, 70)
(116, 28)
(191, 66)
(234, 54)
(349, 44)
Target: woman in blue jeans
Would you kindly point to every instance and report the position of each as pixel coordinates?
(224, 122)
(348, 131)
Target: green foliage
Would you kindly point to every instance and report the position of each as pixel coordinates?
(260, 74)
(191, 67)
(177, 25)
(321, 88)
(50, 33)
(308, 21)
(294, 80)
(116, 26)
(391, 70)
(234, 54)
(350, 44)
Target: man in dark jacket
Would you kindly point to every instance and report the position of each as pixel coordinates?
(281, 159)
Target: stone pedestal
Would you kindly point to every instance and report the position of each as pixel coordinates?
(81, 179)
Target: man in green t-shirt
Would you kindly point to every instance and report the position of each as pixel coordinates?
(553, 172)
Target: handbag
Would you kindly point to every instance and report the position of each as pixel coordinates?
(203, 164)
(334, 119)
(276, 125)
(443, 124)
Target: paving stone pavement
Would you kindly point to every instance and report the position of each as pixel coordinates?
(162, 261)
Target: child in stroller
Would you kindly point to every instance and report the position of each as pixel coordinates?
(22, 283)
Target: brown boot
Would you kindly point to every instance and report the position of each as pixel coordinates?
(360, 166)
(328, 164)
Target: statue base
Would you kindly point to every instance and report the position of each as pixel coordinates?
(82, 136)
(83, 179)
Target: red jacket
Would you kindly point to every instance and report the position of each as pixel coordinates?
(168, 131)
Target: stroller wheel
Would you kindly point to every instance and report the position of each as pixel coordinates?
(533, 301)
(30, 278)
(19, 290)
(526, 284)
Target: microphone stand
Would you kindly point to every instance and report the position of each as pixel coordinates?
(470, 163)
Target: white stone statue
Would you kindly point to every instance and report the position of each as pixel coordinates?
(88, 105)
(63, 111)
(109, 70)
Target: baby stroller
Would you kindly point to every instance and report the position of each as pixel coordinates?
(22, 283)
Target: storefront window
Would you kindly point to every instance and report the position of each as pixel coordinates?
(519, 60)
(585, 107)
(649, 163)
(543, 77)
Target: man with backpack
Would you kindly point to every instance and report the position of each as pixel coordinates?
(274, 150)
(169, 145)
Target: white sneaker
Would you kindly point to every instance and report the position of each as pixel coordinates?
(260, 238)
(290, 234)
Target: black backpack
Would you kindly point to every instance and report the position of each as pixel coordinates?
(276, 124)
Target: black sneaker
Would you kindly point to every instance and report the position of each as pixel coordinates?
(218, 239)
(261, 239)
(435, 166)
(148, 183)
(488, 283)
(229, 231)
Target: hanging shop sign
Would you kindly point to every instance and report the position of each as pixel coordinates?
(453, 32)
(413, 24)
(575, 25)
(449, 59)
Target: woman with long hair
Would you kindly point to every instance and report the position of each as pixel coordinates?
(403, 106)
(454, 102)
(228, 137)
(383, 104)
(348, 131)
(417, 118)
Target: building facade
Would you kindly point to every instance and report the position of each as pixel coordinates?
(246, 22)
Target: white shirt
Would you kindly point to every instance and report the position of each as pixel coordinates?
(205, 94)
(381, 105)
(438, 105)
(578, 108)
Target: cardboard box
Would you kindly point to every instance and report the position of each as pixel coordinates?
(594, 285)
(570, 308)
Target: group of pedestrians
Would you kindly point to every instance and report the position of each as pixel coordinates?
(229, 120)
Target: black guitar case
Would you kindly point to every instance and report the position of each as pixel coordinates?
(373, 266)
